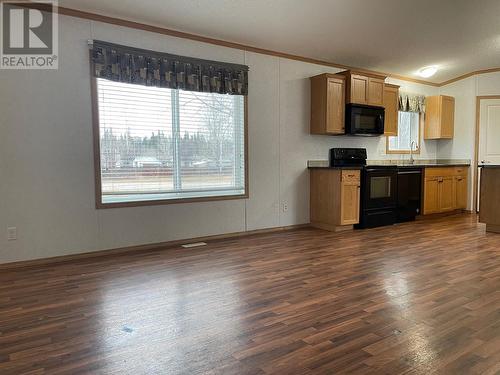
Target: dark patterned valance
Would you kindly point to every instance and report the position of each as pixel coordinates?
(142, 67)
(411, 102)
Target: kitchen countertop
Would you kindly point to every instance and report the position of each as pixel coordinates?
(326, 164)
(401, 163)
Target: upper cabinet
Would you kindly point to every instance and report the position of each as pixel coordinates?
(357, 89)
(328, 104)
(362, 88)
(391, 104)
(331, 92)
(376, 91)
(439, 117)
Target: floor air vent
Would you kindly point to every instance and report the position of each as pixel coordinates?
(194, 244)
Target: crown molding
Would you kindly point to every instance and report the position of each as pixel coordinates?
(470, 74)
(219, 42)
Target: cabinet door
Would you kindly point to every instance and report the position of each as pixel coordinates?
(447, 116)
(439, 117)
(432, 123)
(349, 203)
(391, 98)
(335, 106)
(323, 186)
(431, 195)
(359, 89)
(447, 195)
(461, 192)
(376, 91)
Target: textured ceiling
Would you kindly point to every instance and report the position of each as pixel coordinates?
(392, 36)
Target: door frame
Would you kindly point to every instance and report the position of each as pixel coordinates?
(475, 164)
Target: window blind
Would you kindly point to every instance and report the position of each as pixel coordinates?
(161, 143)
(408, 131)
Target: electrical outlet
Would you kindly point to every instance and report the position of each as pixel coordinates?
(11, 234)
(284, 206)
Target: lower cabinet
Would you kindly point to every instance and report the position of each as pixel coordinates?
(461, 187)
(447, 196)
(349, 198)
(445, 189)
(431, 196)
(335, 198)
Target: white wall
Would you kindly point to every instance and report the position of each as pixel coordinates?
(46, 156)
(462, 144)
(465, 92)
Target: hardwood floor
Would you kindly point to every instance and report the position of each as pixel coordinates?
(415, 298)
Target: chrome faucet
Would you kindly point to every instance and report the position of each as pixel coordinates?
(412, 161)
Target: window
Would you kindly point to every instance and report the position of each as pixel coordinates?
(162, 144)
(408, 131)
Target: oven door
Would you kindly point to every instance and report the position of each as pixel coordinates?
(364, 120)
(380, 188)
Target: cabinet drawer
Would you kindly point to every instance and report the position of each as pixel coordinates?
(446, 171)
(350, 176)
(461, 171)
(440, 172)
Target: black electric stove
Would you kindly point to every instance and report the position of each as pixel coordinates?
(379, 196)
(379, 189)
(347, 157)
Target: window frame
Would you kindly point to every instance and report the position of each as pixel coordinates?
(421, 124)
(97, 163)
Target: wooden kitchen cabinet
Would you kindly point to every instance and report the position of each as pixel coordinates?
(349, 197)
(327, 104)
(376, 91)
(335, 198)
(358, 89)
(431, 196)
(461, 192)
(439, 117)
(362, 88)
(447, 195)
(445, 189)
(391, 104)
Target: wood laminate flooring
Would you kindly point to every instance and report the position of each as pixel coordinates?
(415, 298)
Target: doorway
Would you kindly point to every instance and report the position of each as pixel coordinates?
(487, 138)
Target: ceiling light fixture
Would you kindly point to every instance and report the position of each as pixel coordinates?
(428, 71)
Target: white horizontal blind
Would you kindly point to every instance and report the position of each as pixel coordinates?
(408, 130)
(160, 143)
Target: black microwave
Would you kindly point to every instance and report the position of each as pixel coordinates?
(364, 120)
